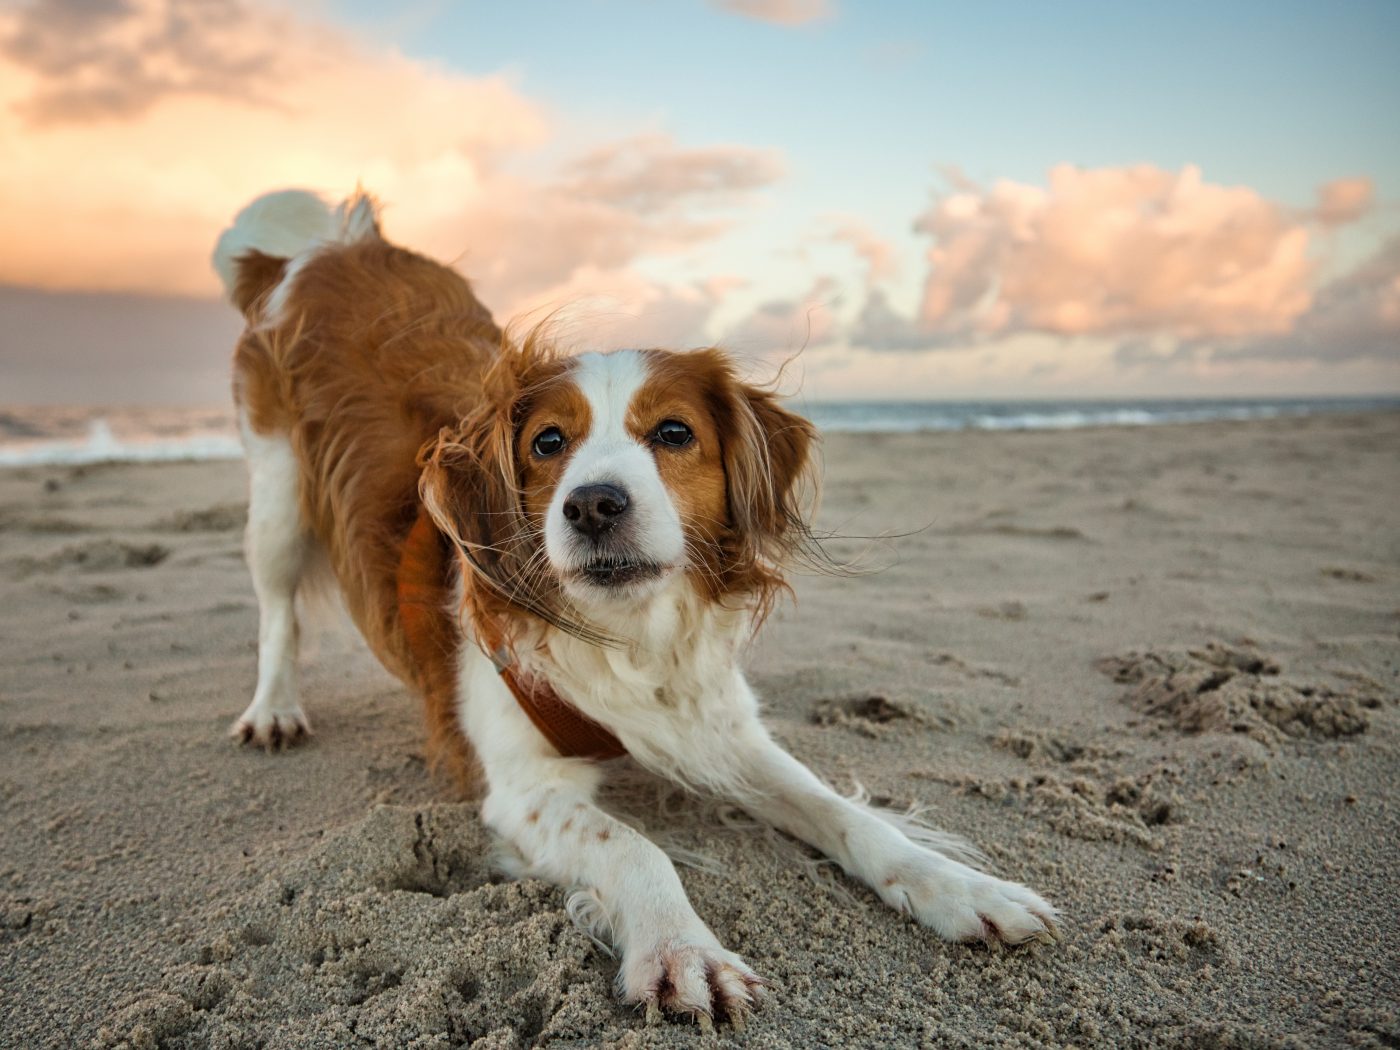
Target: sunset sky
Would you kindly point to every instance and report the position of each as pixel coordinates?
(927, 200)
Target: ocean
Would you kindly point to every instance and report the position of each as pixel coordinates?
(50, 435)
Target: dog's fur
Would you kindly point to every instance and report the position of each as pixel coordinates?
(372, 387)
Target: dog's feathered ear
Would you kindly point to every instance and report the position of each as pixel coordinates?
(470, 486)
(771, 484)
(770, 465)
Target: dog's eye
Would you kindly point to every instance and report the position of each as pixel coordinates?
(549, 441)
(674, 433)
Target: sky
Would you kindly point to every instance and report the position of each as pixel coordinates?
(912, 200)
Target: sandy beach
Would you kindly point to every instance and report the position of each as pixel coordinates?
(1153, 672)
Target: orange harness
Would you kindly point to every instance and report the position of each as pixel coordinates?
(422, 571)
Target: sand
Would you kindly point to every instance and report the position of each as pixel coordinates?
(1152, 672)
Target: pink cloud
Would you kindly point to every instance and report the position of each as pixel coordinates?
(878, 253)
(644, 196)
(130, 197)
(111, 60)
(127, 149)
(1113, 251)
(779, 12)
(1175, 270)
(1355, 317)
(604, 309)
(1344, 200)
(650, 174)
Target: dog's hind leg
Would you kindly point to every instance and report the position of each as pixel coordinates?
(277, 547)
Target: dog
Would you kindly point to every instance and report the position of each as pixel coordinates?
(564, 555)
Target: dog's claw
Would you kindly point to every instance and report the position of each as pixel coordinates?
(991, 935)
(704, 984)
(271, 731)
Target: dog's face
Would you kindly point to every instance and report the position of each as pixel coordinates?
(622, 467)
(606, 475)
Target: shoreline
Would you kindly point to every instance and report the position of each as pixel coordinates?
(54, 436)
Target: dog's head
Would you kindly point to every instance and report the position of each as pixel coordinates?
(592, 481)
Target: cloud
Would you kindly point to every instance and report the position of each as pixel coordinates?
(651, 174)
(134, 200)
(1356, 317)
(781, 327)
(531, 242)
(878, 253)
(103, 59)
(879, 326)
(607, 309)
(1125, 254)
(128, 147)
(1114, 251)
(779, 12)
(1344, 200)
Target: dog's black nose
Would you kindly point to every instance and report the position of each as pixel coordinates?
(594, 509)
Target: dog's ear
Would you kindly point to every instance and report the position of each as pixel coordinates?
(470, 486)
(770, 476)
(769, 464)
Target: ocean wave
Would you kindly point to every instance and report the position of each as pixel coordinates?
(102, 446)
(916, 417)
(41, 435)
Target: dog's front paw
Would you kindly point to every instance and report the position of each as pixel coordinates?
(960, 903)
(699, 980)
(265, 727)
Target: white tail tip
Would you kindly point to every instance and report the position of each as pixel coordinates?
(288, 223)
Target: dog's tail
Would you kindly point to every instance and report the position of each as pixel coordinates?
(257, 255)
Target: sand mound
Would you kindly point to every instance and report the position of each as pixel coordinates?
(1039, 743)
(870, 716)
(394, 933)
(1224, 689)
(1083, 806)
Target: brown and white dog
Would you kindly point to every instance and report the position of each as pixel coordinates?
(564, 555)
